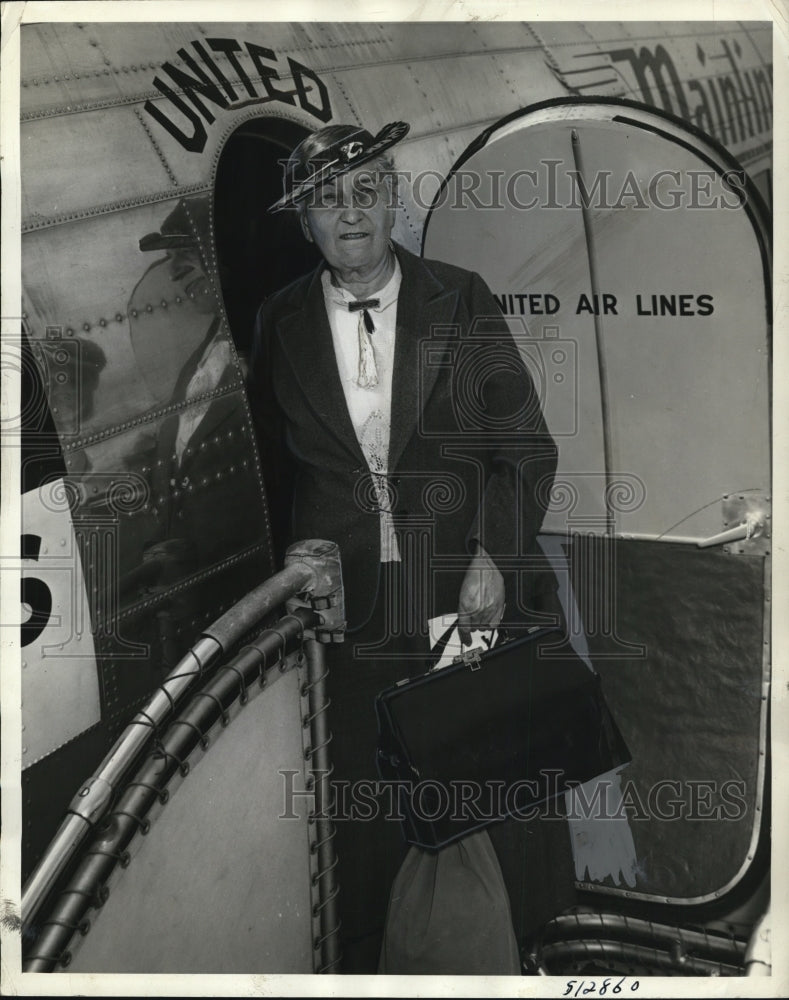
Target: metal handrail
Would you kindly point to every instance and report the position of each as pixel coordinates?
(700, 942)
(92, 800)
(328, 941)
(108, 846)
(628, 954)
(758, 956)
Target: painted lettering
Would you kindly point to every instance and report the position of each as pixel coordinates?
(229, 47)
(220, 76)
(194, 143)
(656, 70)
(527, 303)
(34, 594)
(685, 304)
(268, 74)
(202, 86)
(322, 110)
(732, 106)
(194, 85)
(604, 304)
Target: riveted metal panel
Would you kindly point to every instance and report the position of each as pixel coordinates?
(54, 153)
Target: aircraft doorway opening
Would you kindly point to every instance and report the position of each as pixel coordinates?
(258, 252)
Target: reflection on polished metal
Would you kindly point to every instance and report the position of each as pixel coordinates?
(758, 957)
(92, 800)
(327, 600)
(327, 942)
(624, 955)
(327, 596)
(753, 510)
(583, 926)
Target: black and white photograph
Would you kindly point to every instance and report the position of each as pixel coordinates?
(392, 417)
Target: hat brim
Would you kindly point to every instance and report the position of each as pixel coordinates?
(161, 241)
(387, 137)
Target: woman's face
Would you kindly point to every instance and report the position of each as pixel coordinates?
(349, 220)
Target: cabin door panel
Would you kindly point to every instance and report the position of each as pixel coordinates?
(634, 230)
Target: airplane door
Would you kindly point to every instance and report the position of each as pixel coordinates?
(633, 254)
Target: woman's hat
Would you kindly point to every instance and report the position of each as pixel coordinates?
(182, 228)
(347, 152)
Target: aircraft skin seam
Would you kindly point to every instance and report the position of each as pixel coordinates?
(237, 83)
(65, 743)
(143, 67)
(188, 582)
(724, 31)
(398, 60)
(119, 102)
(157, 148)
(150, 417)
(111, 207)
(104, 321)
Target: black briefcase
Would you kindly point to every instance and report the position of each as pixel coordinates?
(495, 734)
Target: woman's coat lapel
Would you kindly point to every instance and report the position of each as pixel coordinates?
(425, 311)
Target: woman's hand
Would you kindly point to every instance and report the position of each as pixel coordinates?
(481, 601)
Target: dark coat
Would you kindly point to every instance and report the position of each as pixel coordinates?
(468, 444)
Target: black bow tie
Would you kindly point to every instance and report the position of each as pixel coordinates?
(364, 305)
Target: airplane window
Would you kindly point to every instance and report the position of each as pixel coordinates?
(258, 252)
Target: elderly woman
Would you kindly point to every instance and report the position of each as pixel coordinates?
(385, 419)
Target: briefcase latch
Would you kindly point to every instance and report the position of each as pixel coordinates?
(471, 657)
